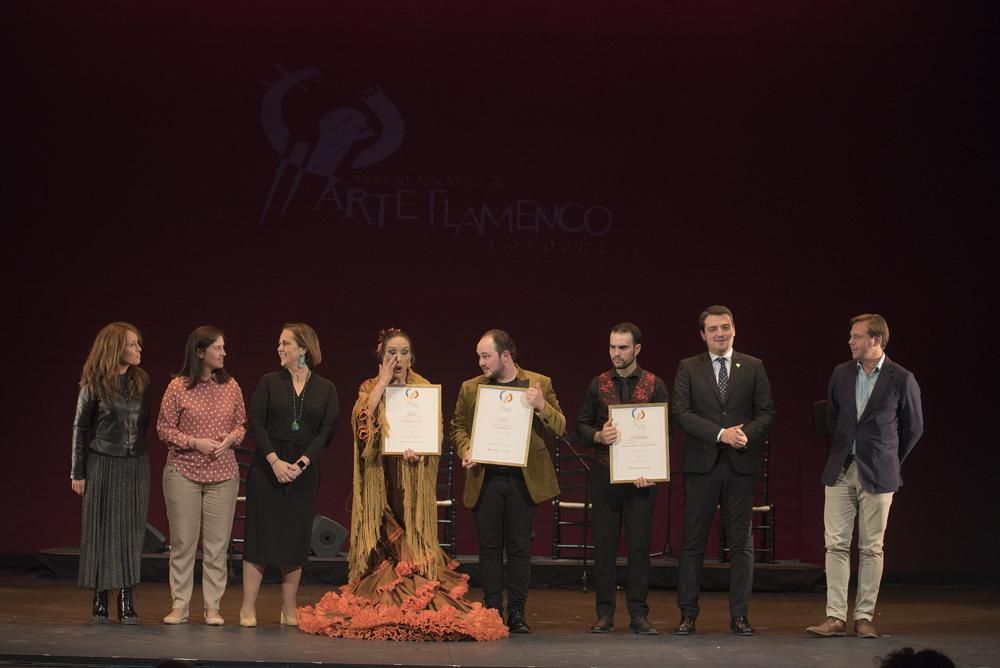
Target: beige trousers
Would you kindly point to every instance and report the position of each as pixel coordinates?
(845, 502)
(195, 508)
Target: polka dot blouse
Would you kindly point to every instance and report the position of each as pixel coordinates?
(208, 410)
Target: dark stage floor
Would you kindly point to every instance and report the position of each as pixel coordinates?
(780, 576)
(44, 622)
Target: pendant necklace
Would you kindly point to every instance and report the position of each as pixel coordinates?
(295, 406)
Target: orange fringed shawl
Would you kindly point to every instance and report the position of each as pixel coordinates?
(401, 584)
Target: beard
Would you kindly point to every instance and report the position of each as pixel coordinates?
(623, 363)
(494, 375)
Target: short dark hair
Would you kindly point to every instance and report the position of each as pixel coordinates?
(502, 341)
(877, 326)
(628, 328)
(198, 341)
(906, 657)
(383, 339)
(714, 310)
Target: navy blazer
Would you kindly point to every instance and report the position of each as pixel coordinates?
(701, 412)
(885, 433)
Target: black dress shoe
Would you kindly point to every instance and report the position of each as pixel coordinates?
(642, 626)
(126, 607)
(604, 624)
(741, 627)
(516, 622)
(99, 612)
(686, 627)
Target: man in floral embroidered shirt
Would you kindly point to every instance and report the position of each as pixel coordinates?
(624, 383)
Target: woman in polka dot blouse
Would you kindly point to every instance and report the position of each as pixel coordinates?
(202, 417)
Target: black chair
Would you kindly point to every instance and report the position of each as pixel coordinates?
(572, 508)
(237, 538)
(763, 523)
(446, 502)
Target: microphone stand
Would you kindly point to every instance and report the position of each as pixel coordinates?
(665, 552)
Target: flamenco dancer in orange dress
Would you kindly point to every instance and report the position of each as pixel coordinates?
(401, 586)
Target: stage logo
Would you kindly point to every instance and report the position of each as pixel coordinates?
(325, 143)
(343, 139)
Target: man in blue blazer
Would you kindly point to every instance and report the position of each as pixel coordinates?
(875, 419)
(722, 401)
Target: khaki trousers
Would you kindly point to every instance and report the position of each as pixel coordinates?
(845, 502)
(195, 508)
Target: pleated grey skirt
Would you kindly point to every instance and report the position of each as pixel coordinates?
(115, 508)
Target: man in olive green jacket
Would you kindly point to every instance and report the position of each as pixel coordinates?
(504, 498)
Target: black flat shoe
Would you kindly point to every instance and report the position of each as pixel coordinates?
(517, 624)
(741, 627)
(642, 626)
(126, 607)
(603, 625)
(99, 611)
(686, 627)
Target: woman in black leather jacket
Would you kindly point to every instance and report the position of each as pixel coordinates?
(110, 469)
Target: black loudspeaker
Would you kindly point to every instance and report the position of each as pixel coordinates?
(154, 541)
(327, 537)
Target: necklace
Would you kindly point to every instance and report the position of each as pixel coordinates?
(296, 407)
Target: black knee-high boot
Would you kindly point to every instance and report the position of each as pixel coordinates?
(126, 607)
(99, 612)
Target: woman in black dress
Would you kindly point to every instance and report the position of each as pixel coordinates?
(110, 468)
(293, 414)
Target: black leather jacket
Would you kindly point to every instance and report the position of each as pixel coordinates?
(115, 427)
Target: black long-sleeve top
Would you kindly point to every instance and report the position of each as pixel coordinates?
(271, 417)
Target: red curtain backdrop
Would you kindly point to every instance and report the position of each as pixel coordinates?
(546, 168)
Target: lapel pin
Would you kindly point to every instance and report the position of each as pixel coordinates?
(737, 365)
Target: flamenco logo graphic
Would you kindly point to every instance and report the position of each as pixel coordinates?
(412, 394)
(506, 397)
(346, 137)
(324, 142)
(638, 414)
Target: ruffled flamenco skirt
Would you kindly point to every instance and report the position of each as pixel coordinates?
(395, 602)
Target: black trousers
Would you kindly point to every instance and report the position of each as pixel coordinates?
(613, 505)
(734, 493)
(505, 515)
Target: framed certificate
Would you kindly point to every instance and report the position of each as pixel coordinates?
(413, 413)
(642, 449)
(501, 427)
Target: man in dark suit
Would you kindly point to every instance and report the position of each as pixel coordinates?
(875, 420)
(722, 401)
